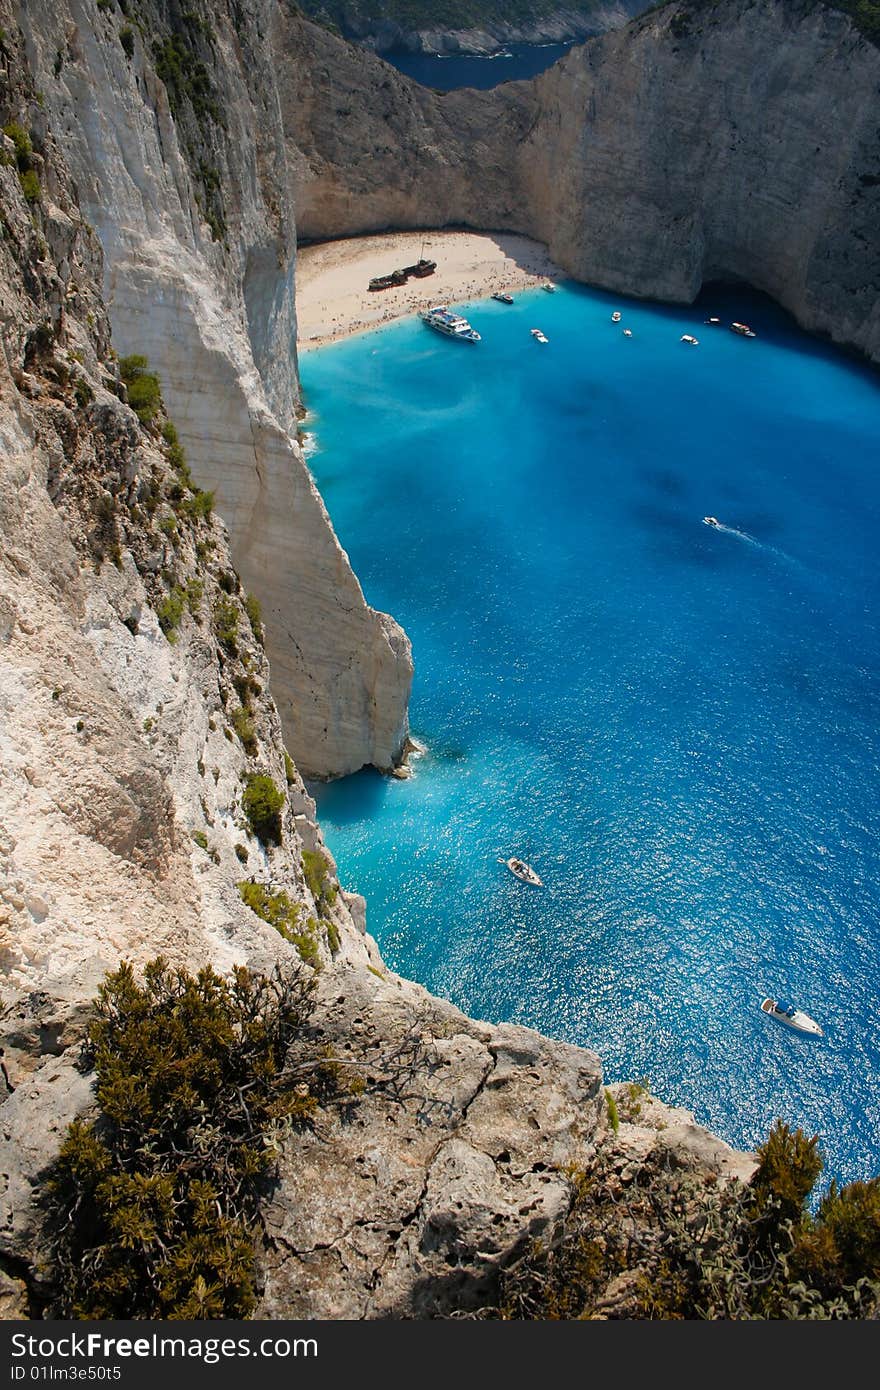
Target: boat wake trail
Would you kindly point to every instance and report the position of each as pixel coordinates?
(764, 546)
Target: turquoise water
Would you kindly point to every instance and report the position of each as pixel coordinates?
(676, 725)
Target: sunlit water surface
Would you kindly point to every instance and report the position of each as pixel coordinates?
(676, 725)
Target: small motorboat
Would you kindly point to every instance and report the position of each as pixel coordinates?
(711, 320)
(711, 521)
(689, 338)
(616, 316)
(524, 872)
(538, 335)
(743, 330)
(627, 333)
(550, 288)
(784, 1012)
(503, 298)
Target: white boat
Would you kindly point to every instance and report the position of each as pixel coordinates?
(523, 871)
(503, 298)
(743, 330)
(538, 335)
(711, 321)
(627, 333)
(551, 289)
(795, 1018)
(711, 521)
(450, 324)
(689, 338)
(616, 316)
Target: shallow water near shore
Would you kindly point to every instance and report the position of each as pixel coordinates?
(677, 725)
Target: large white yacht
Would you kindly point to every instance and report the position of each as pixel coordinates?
(453, 325)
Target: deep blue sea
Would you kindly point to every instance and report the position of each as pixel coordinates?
(517, 60)
(678, 726)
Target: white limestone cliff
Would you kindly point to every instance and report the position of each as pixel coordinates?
(216, 319)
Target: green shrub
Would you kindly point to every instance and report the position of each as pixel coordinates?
(243, 725)
(255, 616)
(144, 392)
(200, 838)
(30, 186)
(285, 916)
(199, 506)
(226, 625)
(241, 853)
(175, 453)
(613, 1114)
(317, 876)
(23, 146)
(788, 1168)
(195, 590)
(672, 1244)
(83, 393)
(126, 38)
(170, 612)
(289, 769)
(262, 803)
(154, 1205)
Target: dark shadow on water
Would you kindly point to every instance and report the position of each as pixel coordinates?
(665, 482)
(350, 800)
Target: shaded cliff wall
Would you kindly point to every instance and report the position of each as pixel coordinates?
(731, 141)
(185, 181)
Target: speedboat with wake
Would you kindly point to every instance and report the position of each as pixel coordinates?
(783, 1012)
(711, 521)
(524, 872)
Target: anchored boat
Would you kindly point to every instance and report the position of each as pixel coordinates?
(524, 872)
(783, 1012)
(451, 325)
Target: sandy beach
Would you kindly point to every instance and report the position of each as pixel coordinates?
(333, 301)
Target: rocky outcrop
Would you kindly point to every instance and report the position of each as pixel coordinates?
(185, 182)
(735, 141)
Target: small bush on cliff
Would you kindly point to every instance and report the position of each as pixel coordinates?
(262, 804)
(226, 626)
(170, 611)
(317, 876)
(255, 616)
(154, 1205)
(243, 725)
(144, 393)
(285, 916)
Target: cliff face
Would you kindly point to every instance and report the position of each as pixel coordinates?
(185, 182)
(135, 704)
(737, 141)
